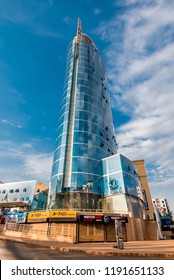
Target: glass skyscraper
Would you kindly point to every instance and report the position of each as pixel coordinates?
(85, 135)
(85, 129)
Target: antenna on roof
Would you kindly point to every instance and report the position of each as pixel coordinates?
(79, 27)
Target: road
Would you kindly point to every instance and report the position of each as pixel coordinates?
(20, 251)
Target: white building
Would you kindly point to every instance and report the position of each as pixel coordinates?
(27, 194)
(162, 205)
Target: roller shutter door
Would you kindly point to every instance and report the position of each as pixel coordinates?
(110, 232)
(91, 232)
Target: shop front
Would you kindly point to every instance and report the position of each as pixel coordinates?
(99, 228)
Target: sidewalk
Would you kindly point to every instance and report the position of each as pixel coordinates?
(159, 249)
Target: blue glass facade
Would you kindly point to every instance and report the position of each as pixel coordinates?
(118, 175)
(120, 185)
(85, 130)
(87, 172)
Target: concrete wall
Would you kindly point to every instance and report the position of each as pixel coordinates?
(143, 178)
(136, 230)
(139, 229)
(151, 230)
(41, 187)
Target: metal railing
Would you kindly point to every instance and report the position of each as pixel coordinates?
(42, 231)
(2, 226)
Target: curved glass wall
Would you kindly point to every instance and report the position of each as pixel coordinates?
(60, 147)
(118, 175)
(119, 182)
(85, 132)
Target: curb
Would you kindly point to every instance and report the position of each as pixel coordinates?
(89, 251)
(121, 254)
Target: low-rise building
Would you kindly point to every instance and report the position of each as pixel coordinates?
(31, 195)
(162, 205)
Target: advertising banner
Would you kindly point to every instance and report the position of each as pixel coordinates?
(10, 216)
(39, 216)
(101, 218)
(91, 218)
(63, 215)
(22, 217)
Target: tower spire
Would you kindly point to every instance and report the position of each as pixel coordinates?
(79, 27)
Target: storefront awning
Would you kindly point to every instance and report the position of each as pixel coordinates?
(12, 204)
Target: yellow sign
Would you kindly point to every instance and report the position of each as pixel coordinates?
(38, 215)
(62, 214)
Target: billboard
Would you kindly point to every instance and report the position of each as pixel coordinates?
(21, 218)
(38, 216)
(10, 216)
(62, 215)
(91, 218)
(102, 218)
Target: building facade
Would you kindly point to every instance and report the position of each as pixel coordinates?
(31, 195)
(162, 205)
(85, 130)
(87, 171)
(93, 188)
(121, 186)
(140, 165)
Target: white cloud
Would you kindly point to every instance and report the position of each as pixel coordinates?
(7, 122)
(39, 166)
(66, 19)
(140, 57)
(97, 11)
(23, 162)
(29, 15)
(70, 20)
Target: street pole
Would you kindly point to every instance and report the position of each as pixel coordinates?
(119, 235)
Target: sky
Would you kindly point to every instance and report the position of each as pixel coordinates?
(136, 41)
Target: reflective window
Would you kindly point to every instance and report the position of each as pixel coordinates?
(93, 124)
(81, 164)
(58, 167)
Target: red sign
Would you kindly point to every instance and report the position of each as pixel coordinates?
(91, 218)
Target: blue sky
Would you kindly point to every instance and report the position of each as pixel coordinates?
(136, 41)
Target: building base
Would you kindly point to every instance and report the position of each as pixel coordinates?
(89, 227)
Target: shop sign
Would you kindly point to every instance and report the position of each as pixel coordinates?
(61, 214)
(119, 218)
(91, 218)
(22, 217)
(21, 220)
(107, 219)
(38, 215)
(10, 216)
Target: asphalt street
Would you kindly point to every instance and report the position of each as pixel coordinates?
(19, 251)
